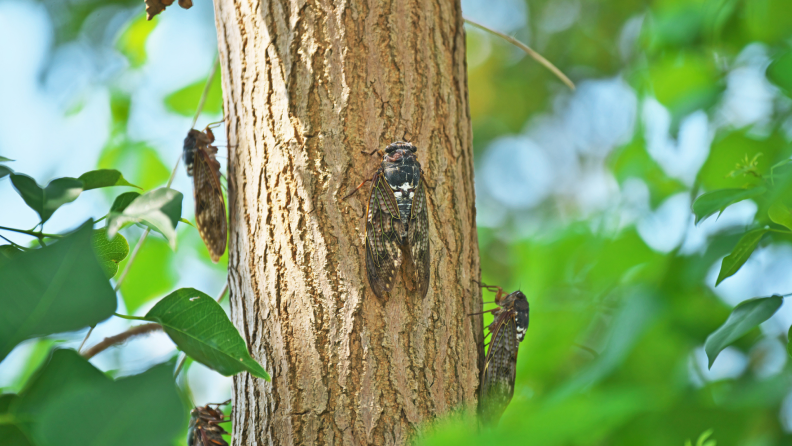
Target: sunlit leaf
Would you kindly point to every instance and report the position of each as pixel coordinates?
(200, 327)
(184, 220)
(185, 101)
(54, 289)
(745, 316)
(109, 251)
(159, 209)
(142, 163)
(716, 201)
(103, 178)
(45, 201)
(132, 41)
(781, 215)
(745, 247)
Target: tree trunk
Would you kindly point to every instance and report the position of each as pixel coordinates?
(308, 86)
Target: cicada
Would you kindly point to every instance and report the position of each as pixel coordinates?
(210, 214)
(500, 367)
(397, 223)
(205, 429)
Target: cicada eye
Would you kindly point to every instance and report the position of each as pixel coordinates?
(413, 149)
(390, 149)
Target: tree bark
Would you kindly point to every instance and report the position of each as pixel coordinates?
(308, 86)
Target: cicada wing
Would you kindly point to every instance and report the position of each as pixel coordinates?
(210, 213)
(418, 239)
(500, 369)
(383, 258)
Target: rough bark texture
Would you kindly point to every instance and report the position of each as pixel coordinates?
(307, 86)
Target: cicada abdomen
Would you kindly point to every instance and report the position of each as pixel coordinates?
(205, 429)
(507, 330)
(210, 214)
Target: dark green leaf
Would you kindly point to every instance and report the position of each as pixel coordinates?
(109, 251)
(734, 261)
(138, 410)
(200, 327)
(159, 209)
(45, 201)
(8, 252)
(743, 318)
(185, 101)
(715, 201)
(13, 436)
(122, 201)
(781, 215)
(5, 171)
(779, 72)
(103, 178)
(54, 289)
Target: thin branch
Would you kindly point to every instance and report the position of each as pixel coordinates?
(536, 56)
(38, 235)
(121, 338)
(184, 355)
(206, 91)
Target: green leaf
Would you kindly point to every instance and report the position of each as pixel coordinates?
(185, 101)
(716, 201)
(779, 72)
(69, 391)
(4, 159)
(150, 276)
(745, 316)
(122, 201)
(54, 289)
(45, 201)
(8, 252)
(132, 42)
(159, 209)
(734, 261)
(184, 220)
(781, 215)
(103, 178)
(5, 171)
(200, 327)
(109, 251)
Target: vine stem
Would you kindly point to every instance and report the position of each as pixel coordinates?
(184, 356)
(528, 50)
(143, 237)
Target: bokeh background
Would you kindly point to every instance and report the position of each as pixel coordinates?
(583, 197)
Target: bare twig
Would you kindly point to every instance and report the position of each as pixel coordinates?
(528, 50)
(120, 338)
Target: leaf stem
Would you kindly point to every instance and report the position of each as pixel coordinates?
(16, 245)
(121, 338)
(38, 235)
(536, 56)
(133, 318)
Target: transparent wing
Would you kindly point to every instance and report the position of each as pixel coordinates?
(210, 215)
(500, 369)
(418, 239)
(383, 259)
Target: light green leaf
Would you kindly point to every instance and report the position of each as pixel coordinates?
(185, 101)
(54, 289)
(4, 159)
(745, 316)
(103, 178)
(159, 209)
(734, 261)
(184, 220)
(781, 215)
(132, 42)
(45, 201)
(716, 201)
(200, 327)
(150, 276)
(109, 251)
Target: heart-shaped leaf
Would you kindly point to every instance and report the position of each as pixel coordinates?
(159, 209)
(54, 289)
(716, 201)
(200, 327)
(745, 316)
(109, 251)
(741, 252)
(103, 178)
(45, 201)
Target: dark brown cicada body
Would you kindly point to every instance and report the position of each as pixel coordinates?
(397, 222)
(205, 429)
(500, 367)
(210, 215)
